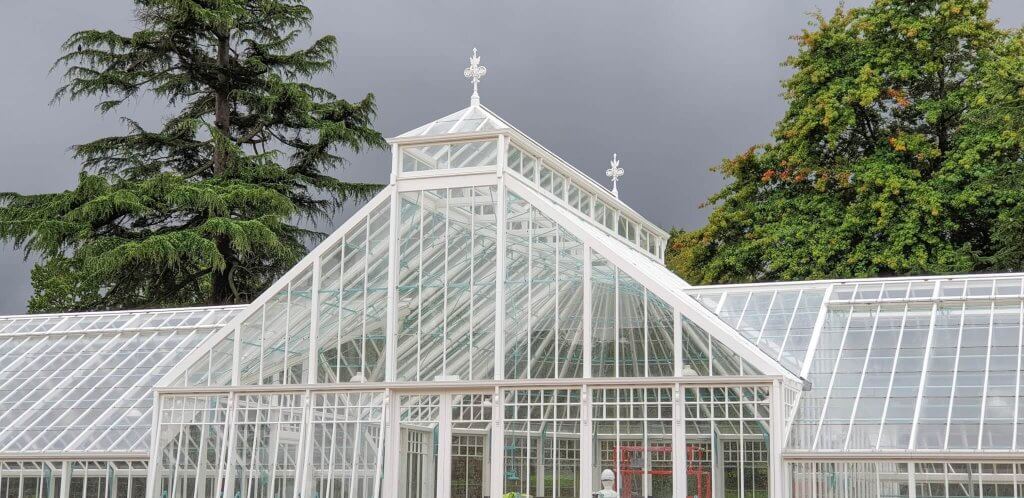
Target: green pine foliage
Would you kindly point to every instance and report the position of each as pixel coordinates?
(212, 206)
(900, 154)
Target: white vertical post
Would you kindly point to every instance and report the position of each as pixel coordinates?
(677, 344)
(777, 424)
(65, 480)
(679, 455)
(236, 356)
(586, 443)
(497, 444)
(154, 450)
(391, 330)
(232, 428)
(313, 363)
(499, 270)
(444, 447)
(588, 332)
(393, 436)
(304, 467)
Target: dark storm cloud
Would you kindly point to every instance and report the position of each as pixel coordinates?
(671, 86)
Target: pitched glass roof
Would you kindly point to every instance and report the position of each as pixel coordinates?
(82, 382)
(471, 119)
(913, 364)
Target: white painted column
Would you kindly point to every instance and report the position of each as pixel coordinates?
(776, 469)
(497, 454)
(588, 328)
(499, 270)
(586, 443)
(391, 337)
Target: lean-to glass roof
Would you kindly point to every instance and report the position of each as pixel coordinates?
(916, 364)
(82, 382)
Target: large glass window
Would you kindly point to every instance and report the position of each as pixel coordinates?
(632, 328)
(353, 302)
(274, 345)
(266, 450)
(543, 296)
(446, 284)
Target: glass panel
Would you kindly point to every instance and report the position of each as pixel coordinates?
(192, 440)
(268, 429)
(544, 296)
(446, 280)
(633, 442)
(542, 442)
(347, 444)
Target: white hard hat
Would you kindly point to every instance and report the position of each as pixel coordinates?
(607, 475)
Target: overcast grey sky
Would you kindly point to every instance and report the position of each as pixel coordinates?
(672, 86)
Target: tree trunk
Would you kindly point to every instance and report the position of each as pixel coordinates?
(222, 107)
(221, 280)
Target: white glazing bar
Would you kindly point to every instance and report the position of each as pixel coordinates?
(341, 306)
(391, 328)
(313, 353)
(558, 363)
(618, 329)
(892, 377)
(381, 439)
(789, 328)
(768, 315)
(1016, 395)
(304, 467)
(956, 371)
(988, 364)
(588, 315)
(647, 350)
(677, 346)
(232, 455)
(236, 356)
(832, 379)
(499, 270)
(529, 291)
(420, 199)
(819, 324)
(924, 366)
(863, 373)
(444, 285)
(154, 448)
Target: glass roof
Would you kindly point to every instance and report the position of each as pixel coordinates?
(471, 119)
(82, 382)
(913, 364)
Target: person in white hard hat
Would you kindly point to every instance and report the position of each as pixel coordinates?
(607, 482)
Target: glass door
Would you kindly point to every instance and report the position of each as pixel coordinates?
(444, 445)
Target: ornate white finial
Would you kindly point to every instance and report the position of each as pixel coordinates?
(614, 173)
(474, 72)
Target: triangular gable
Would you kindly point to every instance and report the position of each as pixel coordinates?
(655, 277)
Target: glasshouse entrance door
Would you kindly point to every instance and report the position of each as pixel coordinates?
(444, 445)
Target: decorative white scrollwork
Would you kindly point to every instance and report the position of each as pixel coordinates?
(614, 173)
(475, 72)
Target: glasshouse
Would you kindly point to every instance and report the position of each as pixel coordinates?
(494, 323)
